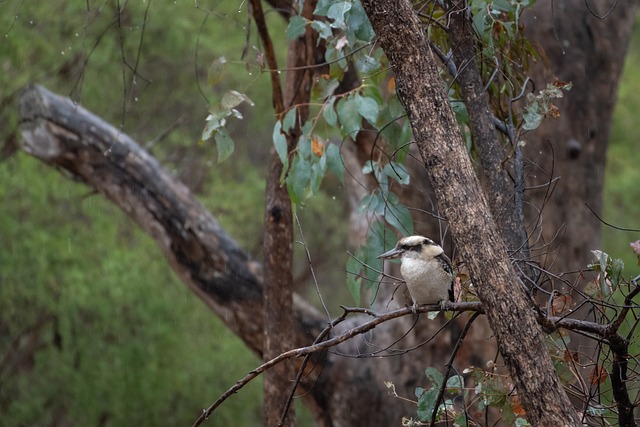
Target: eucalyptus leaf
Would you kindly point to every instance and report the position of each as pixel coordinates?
(329, 113)
(334, 161)
(289, 120)
(224, 145)
(350, 118)
(280, 142)
(297, 27)
(368, 108)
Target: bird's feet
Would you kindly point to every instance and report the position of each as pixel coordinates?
(414, 309)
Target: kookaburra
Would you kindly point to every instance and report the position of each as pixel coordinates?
(425, 268)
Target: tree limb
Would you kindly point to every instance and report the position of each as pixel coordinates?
(464, 206)
(68, 137)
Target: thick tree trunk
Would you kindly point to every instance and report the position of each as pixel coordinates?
(588, 51)
(461, 200)
(503, 194)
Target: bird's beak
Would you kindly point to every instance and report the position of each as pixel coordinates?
(393, 253)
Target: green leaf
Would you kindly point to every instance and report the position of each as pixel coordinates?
(329, 113)
(359, 23)
(298, 179)
(399, 217)
(224, 145)
(216, 71)
(434, 375)
(369, 203)
(396, 110)
(334, 161)
(374, 247)
(337, 12)
(354, 281)
(325, 86)
(350, 118)
(455, 384)
(367, 107)
(398, 172)
(324, 30)
(296, 28)
(316, 178)
(289, 120)
(322, 8)
(531, 117)
(280, 142)
(304, 146)
(368, 167)
(231, 99)
(427, 404)
(616, 272)
(212, 125)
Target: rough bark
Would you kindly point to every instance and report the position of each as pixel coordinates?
(277, 248)
(461, 200)
(589, 51)
(502, 192)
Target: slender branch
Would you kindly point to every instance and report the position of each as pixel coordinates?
(506, 204)
(449, 364)
(276, 91)
(319, 346)
(608, 333)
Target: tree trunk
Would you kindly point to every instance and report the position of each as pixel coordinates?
(461, 200)
(588, 51)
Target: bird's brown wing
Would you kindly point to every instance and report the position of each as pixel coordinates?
(446, 266)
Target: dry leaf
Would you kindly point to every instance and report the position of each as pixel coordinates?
(568, 356)
(517, 406)
(598, 375)
(317, 147)
(560, 304)
(391, 85)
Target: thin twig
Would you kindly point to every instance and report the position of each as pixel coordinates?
(449, 365)
(303, 351)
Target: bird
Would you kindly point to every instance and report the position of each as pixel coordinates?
(426, 270)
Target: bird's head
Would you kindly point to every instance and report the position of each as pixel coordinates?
(416, 247)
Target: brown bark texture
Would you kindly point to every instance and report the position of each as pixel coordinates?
(502, 193)
(462, 202)
(584, 44)
(277, 247)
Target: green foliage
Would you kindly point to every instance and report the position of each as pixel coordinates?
(540, 106)
(119, 338)
(621, 191)
(363, 268)
(217, 119)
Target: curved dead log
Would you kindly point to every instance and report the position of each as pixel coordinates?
(66, 136)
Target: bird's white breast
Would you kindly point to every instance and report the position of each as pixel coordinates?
(428, 283)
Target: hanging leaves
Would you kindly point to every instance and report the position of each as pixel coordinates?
(539, 106)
